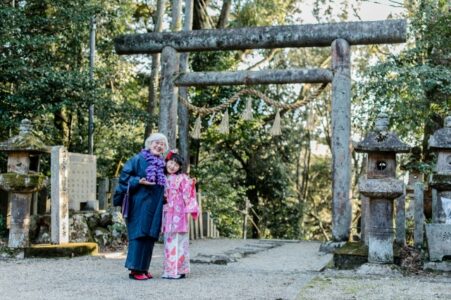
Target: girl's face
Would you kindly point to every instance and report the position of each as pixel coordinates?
(172, 167)
(157, 147)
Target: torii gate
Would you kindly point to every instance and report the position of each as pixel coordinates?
(339, 36)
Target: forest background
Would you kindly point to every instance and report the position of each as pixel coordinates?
(44, 76)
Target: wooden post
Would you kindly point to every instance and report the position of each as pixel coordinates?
(401, 220)
(191, 228)
(211, 226)
(341, 133)
(200, 218)
(168, 95)
(246, 216)
(419, 215)
(206, 223)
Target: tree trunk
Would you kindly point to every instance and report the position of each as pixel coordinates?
(183, 113)
(62, 123)
(201, 20)
(154, 74)
(224, 16)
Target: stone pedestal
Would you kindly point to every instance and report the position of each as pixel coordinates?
(439, 241)
(381, 193)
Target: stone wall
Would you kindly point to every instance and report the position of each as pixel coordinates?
(106, 228)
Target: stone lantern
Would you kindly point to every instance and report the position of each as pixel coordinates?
(439, 232)
(22, 179)
(440, 142)
(381, 187)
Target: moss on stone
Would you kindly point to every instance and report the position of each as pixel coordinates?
(353, 248)
(25, 183)
(24, 142)
(441, 181)
(63, 250)
(355, 254)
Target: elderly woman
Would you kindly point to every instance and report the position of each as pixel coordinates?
(143, 177)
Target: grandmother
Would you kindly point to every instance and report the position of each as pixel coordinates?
(143, 176)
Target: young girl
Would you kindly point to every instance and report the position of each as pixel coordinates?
(180, 194)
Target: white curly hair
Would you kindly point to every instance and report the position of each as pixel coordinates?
(156, 137)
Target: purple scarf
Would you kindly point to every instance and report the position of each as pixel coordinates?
(155, 169)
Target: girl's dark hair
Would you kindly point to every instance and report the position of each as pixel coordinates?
(179, 160)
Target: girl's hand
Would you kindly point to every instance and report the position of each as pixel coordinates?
(145, 182)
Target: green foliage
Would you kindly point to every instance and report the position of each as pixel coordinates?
(44, 62)
(413, 86)
(263, 12)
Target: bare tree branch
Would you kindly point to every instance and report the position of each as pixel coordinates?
(264, 60)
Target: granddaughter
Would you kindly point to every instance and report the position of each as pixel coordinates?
(180, 194)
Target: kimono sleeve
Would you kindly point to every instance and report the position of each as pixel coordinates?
(129, 175)
(188, 186)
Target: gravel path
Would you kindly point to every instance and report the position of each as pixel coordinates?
(276, 273)
(345, 285)
(288, 270)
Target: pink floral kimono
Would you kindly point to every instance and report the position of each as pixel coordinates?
(180, 194)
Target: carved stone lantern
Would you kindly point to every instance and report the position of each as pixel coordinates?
(22, 179)
(440, 142)
(439, 232)
(381, 187)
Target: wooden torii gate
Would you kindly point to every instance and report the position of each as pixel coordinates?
(338, 36)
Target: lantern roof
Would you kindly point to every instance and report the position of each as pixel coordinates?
(441, 139)
(381, 140)
(25, 141)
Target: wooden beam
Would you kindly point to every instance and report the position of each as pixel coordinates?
(255, 77)
(309, 35)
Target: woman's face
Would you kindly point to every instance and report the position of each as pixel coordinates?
(172, 167)
(157, 147)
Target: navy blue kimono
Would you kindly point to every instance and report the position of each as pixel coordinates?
(144, 213)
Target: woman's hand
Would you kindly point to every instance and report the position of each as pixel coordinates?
(145, 182)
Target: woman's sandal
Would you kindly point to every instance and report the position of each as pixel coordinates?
(139, 276)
